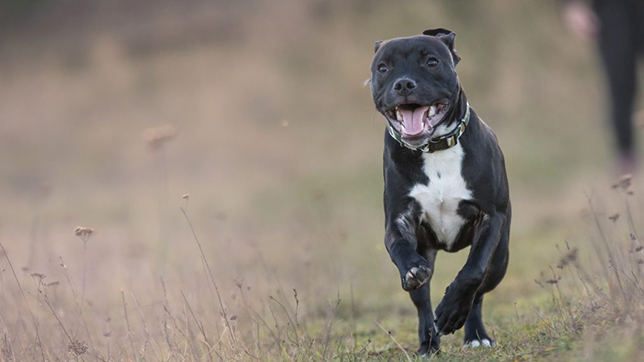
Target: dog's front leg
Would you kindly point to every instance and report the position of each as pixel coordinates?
(402, 244)
(453, 309)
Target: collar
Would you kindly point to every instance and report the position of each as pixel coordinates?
(442, 143)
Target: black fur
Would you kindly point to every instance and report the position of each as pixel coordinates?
(411, 242)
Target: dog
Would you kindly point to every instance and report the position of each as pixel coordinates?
(446, 186)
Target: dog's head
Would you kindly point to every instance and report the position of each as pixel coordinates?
(414, 83)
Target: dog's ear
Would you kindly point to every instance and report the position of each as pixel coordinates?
(377, 46)
(447, 37)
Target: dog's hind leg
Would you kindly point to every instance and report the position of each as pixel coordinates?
(429, 340)
(475, 334)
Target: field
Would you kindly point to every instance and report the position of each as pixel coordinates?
(201, 181)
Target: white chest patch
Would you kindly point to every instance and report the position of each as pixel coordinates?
(440, 198)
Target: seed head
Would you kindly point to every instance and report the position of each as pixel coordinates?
(624, 182)
(158, 136)
(38, 276)
(77, 348)
(83, 233)
(568, 258)
(554, 280)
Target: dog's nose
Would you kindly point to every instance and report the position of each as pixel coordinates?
(404, 86)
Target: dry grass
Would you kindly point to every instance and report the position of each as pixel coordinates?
(602, 297)
(592, 303)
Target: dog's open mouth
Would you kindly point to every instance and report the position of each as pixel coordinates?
(414, 120)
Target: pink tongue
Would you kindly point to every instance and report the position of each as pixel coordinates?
(413, 120)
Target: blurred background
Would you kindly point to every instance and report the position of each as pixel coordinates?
(111, 111)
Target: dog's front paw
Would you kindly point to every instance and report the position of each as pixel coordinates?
(415, 277)
(476, 343)
(451, 313)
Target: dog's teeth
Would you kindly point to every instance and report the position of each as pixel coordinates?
(398, 115)
(432, 111)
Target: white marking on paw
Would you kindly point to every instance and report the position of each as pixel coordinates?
(476, 343)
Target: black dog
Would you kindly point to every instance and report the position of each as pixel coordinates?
(445, 183)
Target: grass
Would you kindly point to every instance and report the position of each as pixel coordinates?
(587, 306)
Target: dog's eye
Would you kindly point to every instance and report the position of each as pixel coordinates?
(432, 62)
(382, 68)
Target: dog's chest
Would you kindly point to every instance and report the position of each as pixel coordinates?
(440, 197)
